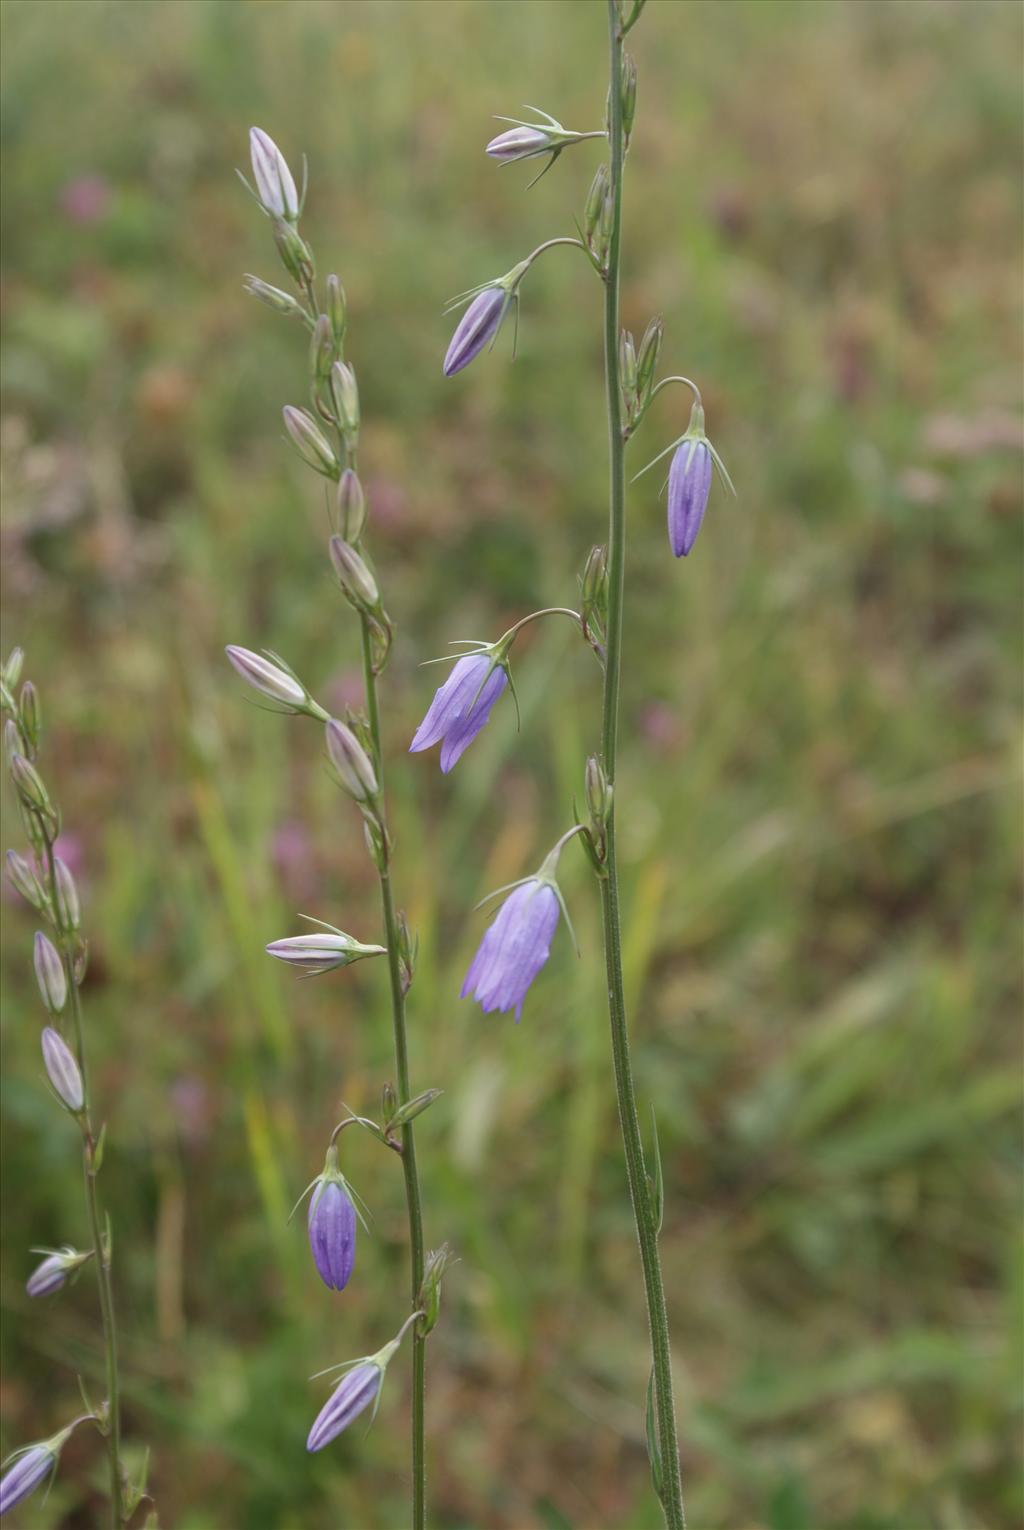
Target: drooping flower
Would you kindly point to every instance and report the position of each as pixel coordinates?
(29, 1469)
(689, 484)
(321, 951)
(54, 1270)
(354, 1393)
(460, 708)
(515, 947)
(332, 1232)
(62, 1070)
(274, 182)
(476, 329)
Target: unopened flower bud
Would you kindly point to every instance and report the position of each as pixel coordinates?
(351, 506)
(594, 598)
(54, 1270)
(313, 446)
(50, 974)
(268, 678)
(23, 878)
(356, 581)
(331, 1225)
(280, 302)
(627, 369)
(350, 760)
(647, 357)
(596, 197)
(296, 255)
(321, 951)
(28, 783)
(28, 714)
(357, 1389)
(12, 668)
(274, 183)
(69, 915)
(598, 792)
(321, 350)
(628, 94)
(345, 396)
(62, 1071)
(413, 1108)
(25, 1474)
(337, 311)
(429, 1299)
(13, 741)
(408, 948)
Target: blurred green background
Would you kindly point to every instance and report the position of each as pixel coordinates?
(819, 805)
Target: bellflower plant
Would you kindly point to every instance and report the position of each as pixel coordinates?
(326, 438)
(515, 947)
(59, 961)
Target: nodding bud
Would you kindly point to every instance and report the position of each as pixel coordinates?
(476, 329)
(23, 878)
(26, 1472)
(351, 506)
(337, 311)
(28, 783)
(274, 184)
(28, 714)
(647, 358)
(358, 1388)
(357, 583)
(628, 94)
(296, 255)
(50, 974)
(12, 668)
(268, 678)
(350, 761)
(54, 1270)
(429, 1298)
(280, 302)
(68, 910)
(345, 396)
(322, 350)
(313, 446)
(599, 793)
(62, 1071)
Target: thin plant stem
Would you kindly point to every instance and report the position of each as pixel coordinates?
(643, 1210)
(100, 1246)
(412, 1186)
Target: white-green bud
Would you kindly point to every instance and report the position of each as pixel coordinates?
(351, 761)
(50, 974)
(313, 446)
(355, 578)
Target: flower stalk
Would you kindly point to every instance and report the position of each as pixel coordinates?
(666, 1466)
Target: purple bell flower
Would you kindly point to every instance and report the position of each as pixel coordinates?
(31, 1468)
(355, 1392)
(54, 1270)
(515, 946)
(476, 329)
(689, 484)
(460, 708)
(332, 1233)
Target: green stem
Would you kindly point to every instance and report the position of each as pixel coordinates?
(412, 1185)
(671, 1493)
(101, 1253)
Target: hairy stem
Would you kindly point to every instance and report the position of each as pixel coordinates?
(643, 1211)
(101, 1252)
(412, 1185)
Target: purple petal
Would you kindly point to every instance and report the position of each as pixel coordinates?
(478, 325)
(354, 1392)
(332, 1234)
(514, 948)
(449, 700)
(28, 1471)
(689, 484)
(466, 727)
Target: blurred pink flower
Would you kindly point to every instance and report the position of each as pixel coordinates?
(659, 724)
(345, 690)
(85, 199)
(292, 856)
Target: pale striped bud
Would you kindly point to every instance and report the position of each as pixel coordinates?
(268, 678)
(350, 760)
(274, 183)
(313, 446)
(50, 974)
(62, 1070)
